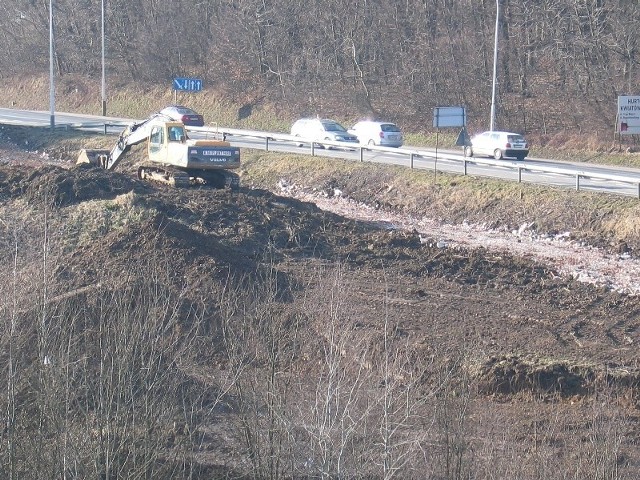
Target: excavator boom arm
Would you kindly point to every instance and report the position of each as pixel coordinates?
(132, 135)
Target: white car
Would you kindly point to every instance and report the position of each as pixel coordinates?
(498, 145)
(385, 134)
(318, 129)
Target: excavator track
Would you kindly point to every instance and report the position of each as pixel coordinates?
(216, 178)
(167, 176)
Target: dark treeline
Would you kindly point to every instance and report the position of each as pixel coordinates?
(561, 65)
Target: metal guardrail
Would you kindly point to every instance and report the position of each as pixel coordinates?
(411, 153)
(524, 166)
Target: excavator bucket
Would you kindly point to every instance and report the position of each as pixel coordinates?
(93, 156)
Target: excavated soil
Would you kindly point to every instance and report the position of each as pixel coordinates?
(507, 304)
(534, 336)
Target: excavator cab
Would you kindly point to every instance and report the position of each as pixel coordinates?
(167, 144)
(177, 133)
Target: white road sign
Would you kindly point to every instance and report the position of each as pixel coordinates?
(629, 115)
(449, 117)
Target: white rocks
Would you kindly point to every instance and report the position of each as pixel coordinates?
(560, 252)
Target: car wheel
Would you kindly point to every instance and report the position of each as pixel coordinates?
(371, 142)
(497, 154)
(521, 157)
(468, 151)
(299, 144)
(328, 147)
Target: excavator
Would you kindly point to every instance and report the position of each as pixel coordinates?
(172, 157)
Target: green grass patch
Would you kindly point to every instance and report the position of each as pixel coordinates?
(93, 220)
(264, 166)
(444, 139)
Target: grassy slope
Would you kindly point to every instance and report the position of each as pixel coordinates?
(597, 218)
(80, 94)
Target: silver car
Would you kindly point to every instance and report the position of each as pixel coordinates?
(318, 129)
(498, 145)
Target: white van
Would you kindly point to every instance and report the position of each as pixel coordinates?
(385, 134)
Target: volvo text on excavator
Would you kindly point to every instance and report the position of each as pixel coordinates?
(172, 157)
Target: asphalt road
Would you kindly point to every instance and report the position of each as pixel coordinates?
(621, 181)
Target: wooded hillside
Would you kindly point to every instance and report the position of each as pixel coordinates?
(562, 63)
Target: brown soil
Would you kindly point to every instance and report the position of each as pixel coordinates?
(537, 345)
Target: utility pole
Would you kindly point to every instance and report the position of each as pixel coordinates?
(52, 89)
(104, 84)
(495, 69)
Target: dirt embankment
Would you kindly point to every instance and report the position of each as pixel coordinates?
(257, 220)
(528, 333)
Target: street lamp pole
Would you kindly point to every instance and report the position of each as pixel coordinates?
(52, 105)
(495, 69)
(104, 85)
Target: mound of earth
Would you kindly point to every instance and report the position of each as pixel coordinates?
(516, 305)
(527, 333)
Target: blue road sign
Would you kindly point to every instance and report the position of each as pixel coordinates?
(187, 84)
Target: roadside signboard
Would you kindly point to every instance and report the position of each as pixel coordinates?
(187, 84)
(444, 117)
(449, 117)
(628, 115)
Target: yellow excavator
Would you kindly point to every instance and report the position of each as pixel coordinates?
(172, 157)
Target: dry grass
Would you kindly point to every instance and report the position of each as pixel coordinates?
(625, 223)
(449, 196)
(81, 94)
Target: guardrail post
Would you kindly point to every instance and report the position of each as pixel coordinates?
(639, 190)
(105, 128)
(266, 144)
(519, 174)
(362, 154)
(577, 182)
(464, 167)
(313, 149)
(411, 160)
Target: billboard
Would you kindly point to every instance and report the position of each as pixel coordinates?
(628, 122)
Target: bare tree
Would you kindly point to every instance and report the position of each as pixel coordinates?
(261, 342)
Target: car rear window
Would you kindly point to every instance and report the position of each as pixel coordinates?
(515, 138)
(389, 127)
(333, 127)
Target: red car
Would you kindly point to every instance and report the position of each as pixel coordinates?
(185, 115)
